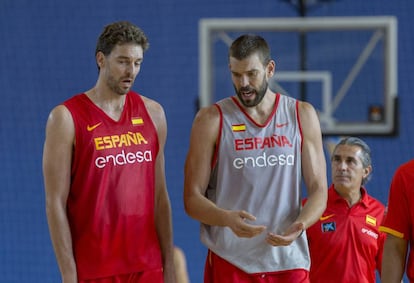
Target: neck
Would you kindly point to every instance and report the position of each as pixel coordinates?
(352, 196)
(261, 112)
(112, 104)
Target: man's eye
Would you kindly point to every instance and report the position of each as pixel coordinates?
(253, 74)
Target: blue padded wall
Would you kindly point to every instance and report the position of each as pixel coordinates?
(47, 55)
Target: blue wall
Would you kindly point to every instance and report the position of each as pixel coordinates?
(47, 56)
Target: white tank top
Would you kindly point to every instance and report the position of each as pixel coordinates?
(258, 170)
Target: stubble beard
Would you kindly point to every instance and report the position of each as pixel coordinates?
(259, 94)
(114, 85)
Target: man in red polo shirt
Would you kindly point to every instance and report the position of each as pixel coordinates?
(345, 244)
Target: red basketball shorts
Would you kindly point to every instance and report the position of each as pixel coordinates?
(151, 276)
(218, 270)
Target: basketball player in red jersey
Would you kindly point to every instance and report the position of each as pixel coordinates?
(107, 204)
(399, 226)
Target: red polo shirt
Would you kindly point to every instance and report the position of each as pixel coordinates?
(345, 243)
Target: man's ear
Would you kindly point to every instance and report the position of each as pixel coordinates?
(270, 68)
(367, 171)
(100, 59)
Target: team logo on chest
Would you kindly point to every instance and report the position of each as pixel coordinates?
(328, 227)
(253, 151)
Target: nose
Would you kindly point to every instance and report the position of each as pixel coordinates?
(342, 165)
(244, 81)
(132, 69)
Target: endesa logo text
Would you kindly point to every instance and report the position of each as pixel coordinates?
(264, 159)
(123, 157)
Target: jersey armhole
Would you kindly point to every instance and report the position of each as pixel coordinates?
(215, 156)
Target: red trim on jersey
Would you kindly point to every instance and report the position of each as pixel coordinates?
(242, 109)
(300, 125)
(216, 150)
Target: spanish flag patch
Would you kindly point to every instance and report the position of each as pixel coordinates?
(137, 121)
(371, 220)
(239, 128)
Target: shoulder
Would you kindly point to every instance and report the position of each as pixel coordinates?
(403, 176)
(151, 104)
(206, 125)
(75, 100)
(376, 202)
(60, 126)
(308, 120)
(59, 114)
(155, 109)
(372, 201)
(209, 112)
(406, 167)
(306, 109)
(208, 116)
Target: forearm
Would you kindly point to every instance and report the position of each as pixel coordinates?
(163, 221)
(393, 261)
(313, 208)
(392, 270)
(62, 242)
(163, 224)
(205, 211)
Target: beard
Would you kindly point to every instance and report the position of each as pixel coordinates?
(115, 85)
(257, 93)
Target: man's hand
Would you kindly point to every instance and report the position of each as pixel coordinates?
(291, 234)
(239, 226)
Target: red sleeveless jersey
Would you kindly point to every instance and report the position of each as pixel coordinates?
(111, 201)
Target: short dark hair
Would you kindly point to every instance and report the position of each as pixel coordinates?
(120, 33)
(248, 44)
(365, 152)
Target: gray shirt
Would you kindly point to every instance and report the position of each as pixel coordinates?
(258, 169)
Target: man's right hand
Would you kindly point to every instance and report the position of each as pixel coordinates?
(237, 223)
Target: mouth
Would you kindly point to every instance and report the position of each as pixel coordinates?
(127, 82)
(341, 177)
(247, 93)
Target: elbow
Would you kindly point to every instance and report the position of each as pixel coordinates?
(190, 205)
(324, 199)
(54, 207)
(187, 205)
(49, 207)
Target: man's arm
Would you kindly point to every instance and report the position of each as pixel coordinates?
(314, 174)
(163, 214)
(378, 258)
(393, 260)
(180, 264)
(313, 166)
(197, 172)
(57, 158)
